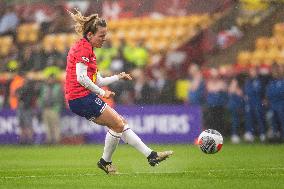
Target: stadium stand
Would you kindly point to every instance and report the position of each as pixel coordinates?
(268, 50)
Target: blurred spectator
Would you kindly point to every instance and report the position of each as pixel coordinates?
(124, 92)
(111, 9)
(37, 58)
(140, 56)
(11, 61)
(137, 56)
(9, 21)
(118, 63)
(105, 56)
(25, 113)
(275, 96)
(3, 94)
(236, 105)
(25, 59)
(227, 38)
(16, 83)
(196, 95)
(216, 100)
(165, 88)
(60, 22)
(253, 12)
(144, 91)
(50, 56)
(50, 101)
(176, 61)
(171, 7)
(255, 109)
(41, 17)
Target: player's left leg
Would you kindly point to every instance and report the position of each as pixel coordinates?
(129, 137)
(154, 158)
(115, 125)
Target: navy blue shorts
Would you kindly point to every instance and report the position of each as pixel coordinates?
(90, 106)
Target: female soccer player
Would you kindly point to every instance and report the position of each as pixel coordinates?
(82, 91)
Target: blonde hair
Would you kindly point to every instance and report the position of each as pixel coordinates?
(85, 24)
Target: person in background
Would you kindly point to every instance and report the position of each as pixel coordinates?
(216, 100)
(16, 83)
(9, 21)
(236, 105)
(143, 89)
(25, 111)
(50, 103)
(165, 87)
(196, 95)
(254, 106)
(275, 96)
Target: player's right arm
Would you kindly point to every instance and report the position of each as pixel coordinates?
(84, 80)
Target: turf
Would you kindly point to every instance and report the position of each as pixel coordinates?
(236, 166)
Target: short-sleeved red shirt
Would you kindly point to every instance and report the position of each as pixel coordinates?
(82, 52)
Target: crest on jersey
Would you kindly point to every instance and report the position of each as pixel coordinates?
(85, 59)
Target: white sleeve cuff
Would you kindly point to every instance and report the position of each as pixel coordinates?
(103, 81)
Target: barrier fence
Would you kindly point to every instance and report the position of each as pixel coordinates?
(154, 124)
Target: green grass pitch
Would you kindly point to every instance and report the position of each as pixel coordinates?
(236, 166)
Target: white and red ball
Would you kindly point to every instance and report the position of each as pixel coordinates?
(210, 141)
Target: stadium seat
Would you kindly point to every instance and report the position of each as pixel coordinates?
(279, 29)
(146, 22)
(262, 43)
(133, 33)
(135, 22)
(258, 57)
(48, 42)
(180, 31)
(71, 39)
(5, 45)
(155, 32)
(154, 29)
(272, 55)
(244, 58)
(280, 58)
(125, 23)
(60, 42)
(272, 42)
(28, 33)
(279, 41)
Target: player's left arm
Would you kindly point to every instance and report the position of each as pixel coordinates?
(103, 81)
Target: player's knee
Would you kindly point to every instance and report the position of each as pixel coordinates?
(118, 126)
(124, 121)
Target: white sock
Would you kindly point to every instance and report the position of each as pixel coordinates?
(129, 137)
(111, 142)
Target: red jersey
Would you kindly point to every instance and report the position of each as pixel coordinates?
(82, 52)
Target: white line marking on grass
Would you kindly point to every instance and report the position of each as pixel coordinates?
(137, 173)
(47, 176)
(214, 170)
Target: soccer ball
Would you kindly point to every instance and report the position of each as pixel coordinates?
(210, 141)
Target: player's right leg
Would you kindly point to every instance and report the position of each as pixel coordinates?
(95, 109)
(115, 124)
